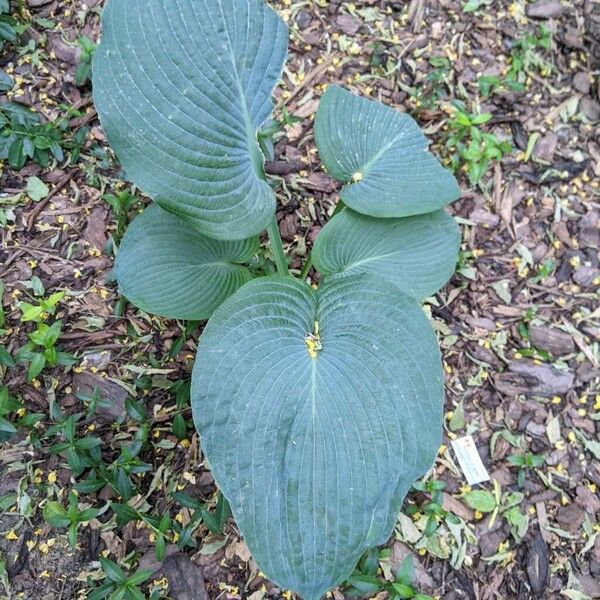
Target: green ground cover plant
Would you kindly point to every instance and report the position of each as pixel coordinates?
(23, 136)
(317, 406)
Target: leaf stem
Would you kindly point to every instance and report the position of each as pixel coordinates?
(306, 267)
(277, 247)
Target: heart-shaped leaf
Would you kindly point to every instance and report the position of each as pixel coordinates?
(181, 88)
(317, 410)
(164, 266)
(382, 155)
(417, 254)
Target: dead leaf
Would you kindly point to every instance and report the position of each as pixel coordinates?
(186, 581)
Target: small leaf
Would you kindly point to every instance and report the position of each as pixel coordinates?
(502, 290)
(124, 512)
(55, 514)
(112, 570)
(382, 155)
(139, 577)
(5, 358)
(403, 590)
(187, 501)
(518, 522)
(135, 409)
(406, 572)
(36, 189)
(6, 82)
(36, 366)
(481, 500)
(179, 427)
(7, 426)
(365, 584)
(161, 547)
(164, 266)
(417, 254)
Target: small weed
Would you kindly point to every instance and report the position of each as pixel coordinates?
(433, 88)
(474, 5)
(525, 462)
(215, 522)
(84, 68)
(436, 83)
(58, 516)
(182, 403)
(491, 84)
(10, 27)
(8, 405)
(274, 129)
(120, 585)
(432, 506)
(73, 447)
(41, 349)
(23, 136)
(121, 204)
(525, 55)
(366, 580)
(523, 325)
(545, 270)
(41, 311)
(474, 149)
(497, 504)
(466, 266)
(93, 402)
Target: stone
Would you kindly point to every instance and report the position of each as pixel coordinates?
(589, 229)
(349, 25)
(588, 501)
(114, 411)
(545, 9)
(581, 82)
(546, 147)
(570, 517)
(587, 276)
(590, 108)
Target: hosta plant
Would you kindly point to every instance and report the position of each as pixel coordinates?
(317, 406)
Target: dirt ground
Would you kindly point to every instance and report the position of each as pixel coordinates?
(519, 324)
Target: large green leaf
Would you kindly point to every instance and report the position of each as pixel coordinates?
(181, 87)
(417, 254)
(164, 266)
(315, 440)
(382, 155)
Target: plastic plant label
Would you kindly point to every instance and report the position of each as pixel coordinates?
(469, 460)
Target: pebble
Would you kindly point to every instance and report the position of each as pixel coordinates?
(581, 82)
(590, 108)
(585, 276)
(546, 9)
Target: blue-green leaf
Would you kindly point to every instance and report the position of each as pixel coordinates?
(181, 88)
(417, 254)
(382, 155)
(164, 266)
(334, 399)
